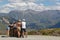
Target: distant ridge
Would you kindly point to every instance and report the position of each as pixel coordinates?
(56, 25)
(40, 20)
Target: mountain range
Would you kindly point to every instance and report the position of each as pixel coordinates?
(35, 19)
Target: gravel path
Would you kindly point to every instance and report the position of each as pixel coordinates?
(31, 37)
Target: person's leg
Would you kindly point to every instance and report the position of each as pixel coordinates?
(25, 32)
(7, 32)
(18, 30)
(18, 33)
(21, 33)
(15, 32)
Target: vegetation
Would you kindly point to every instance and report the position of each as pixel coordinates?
(53, 32)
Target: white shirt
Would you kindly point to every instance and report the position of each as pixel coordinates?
(23, 24)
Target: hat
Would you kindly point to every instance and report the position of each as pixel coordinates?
(23, 19)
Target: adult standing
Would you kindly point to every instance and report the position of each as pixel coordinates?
(24, 28)
(10, 26)
(19, 25)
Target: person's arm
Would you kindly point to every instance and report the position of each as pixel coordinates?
(6, 21)
(21, 24)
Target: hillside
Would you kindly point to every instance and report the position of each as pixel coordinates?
(56, 25)
(35, 19)
(51, 32)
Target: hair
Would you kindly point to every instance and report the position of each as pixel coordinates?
(14, 23)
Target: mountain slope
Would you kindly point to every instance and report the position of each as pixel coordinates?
(36, 19)
(39, 19)
(56, 25)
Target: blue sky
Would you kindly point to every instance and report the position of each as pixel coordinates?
(3, 2)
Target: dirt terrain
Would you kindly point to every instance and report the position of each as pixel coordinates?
(31, 37)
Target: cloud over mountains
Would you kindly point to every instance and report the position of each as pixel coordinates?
(26, 4)
(21, 6)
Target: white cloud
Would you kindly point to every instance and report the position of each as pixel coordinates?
(19, 1)
(48, 0)
(1, 0)
(26, 4)
(58, 3)
(21, 6)
(54, 7)
(4, 10)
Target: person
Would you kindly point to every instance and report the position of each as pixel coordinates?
(8, 28)
(14, 25)
(14, 30)
(24, 28)
(11, 30)
(19, 25)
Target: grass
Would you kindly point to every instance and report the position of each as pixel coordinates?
(53, 32)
